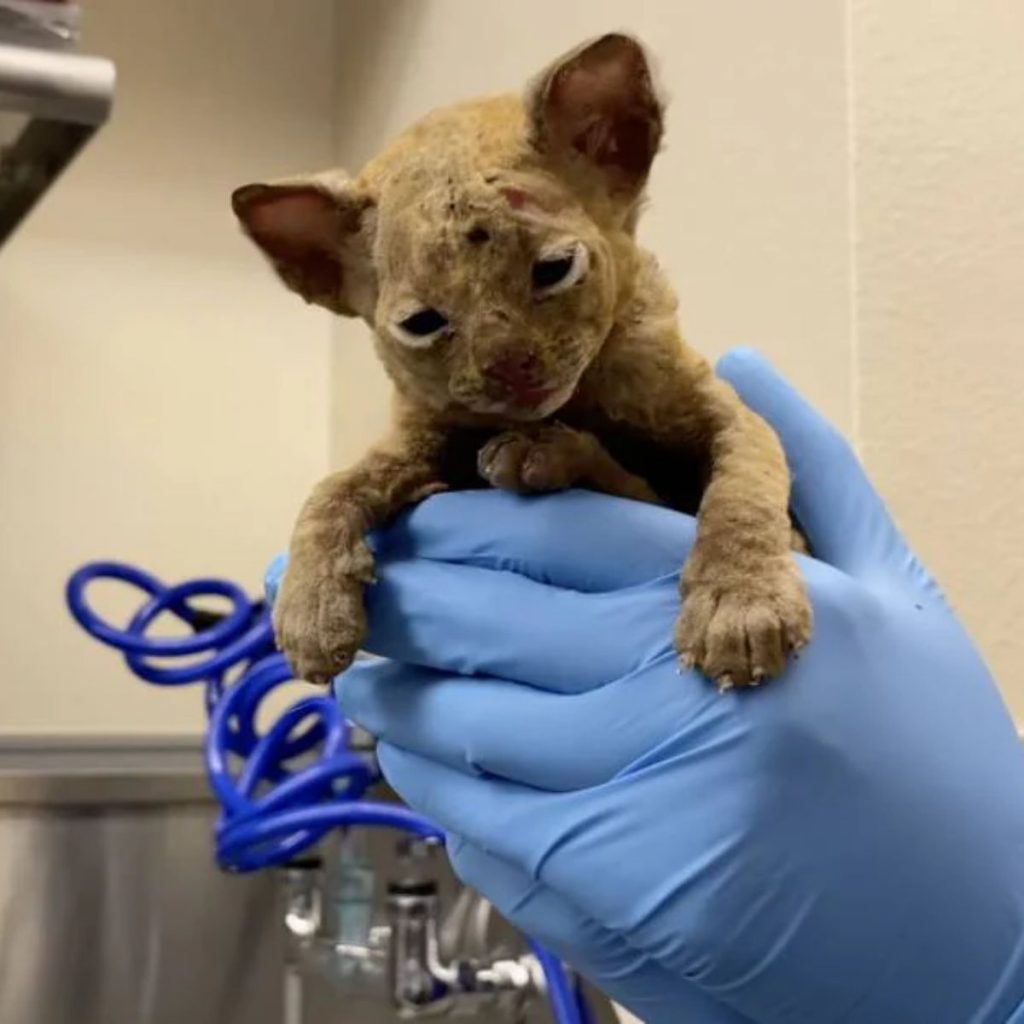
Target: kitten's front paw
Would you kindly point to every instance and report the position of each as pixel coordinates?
(740, 632)
(319, 623)
(545, 459)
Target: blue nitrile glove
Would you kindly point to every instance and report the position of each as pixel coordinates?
(845, 844)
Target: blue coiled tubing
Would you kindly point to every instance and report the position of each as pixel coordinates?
(283, 790)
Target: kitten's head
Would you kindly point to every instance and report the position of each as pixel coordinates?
(488, 246)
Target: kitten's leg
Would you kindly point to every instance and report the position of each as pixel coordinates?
(319, 620)
(745, 605)
(554, 458)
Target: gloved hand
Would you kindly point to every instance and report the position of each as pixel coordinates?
(844, 844)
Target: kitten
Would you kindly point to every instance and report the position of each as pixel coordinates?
(533, 345)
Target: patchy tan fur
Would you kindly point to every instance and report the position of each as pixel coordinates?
(592, 386)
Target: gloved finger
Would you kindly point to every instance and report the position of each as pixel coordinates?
(575, 540)
(525, 734)
(470, 806)
(562, 839)
(846, 521)
(632, 978)
(472, 621)
(530, 734)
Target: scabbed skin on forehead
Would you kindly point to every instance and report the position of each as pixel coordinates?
(452, 220)
(460, 174)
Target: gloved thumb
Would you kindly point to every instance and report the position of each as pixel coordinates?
(845, 520)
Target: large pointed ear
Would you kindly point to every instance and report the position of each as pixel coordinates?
(316, 233)
(596, 112)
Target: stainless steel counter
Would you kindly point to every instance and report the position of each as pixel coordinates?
(113, 912)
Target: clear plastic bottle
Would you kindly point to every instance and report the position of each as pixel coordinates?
(353, 890)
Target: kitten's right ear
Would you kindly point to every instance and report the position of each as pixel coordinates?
(316, 233)
(597, 114)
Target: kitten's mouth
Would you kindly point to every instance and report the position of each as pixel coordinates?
(536, 403)
(533, 398)
(527, 404)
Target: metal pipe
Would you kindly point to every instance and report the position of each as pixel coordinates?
(56, 86)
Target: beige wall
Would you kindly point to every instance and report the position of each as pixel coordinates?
(842, 187)
(939, 142)
(160, 401)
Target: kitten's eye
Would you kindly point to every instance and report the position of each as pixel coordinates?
(421, 328)
(560, 270)
(426, 321)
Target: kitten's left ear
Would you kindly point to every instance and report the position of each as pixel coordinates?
(316, 233)
(596, 111)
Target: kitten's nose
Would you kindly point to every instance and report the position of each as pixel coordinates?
(515, 370)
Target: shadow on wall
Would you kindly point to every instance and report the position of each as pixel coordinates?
(364, 90)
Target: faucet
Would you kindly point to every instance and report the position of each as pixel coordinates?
(422, 980)
(425, 965)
